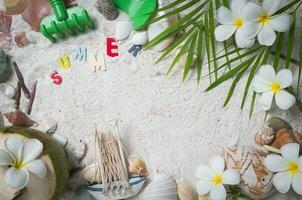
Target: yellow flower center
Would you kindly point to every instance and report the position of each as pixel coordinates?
(276, 87)
(18, 164)
(238, 22)
(293, 167)
(217, 180)
(264, 18)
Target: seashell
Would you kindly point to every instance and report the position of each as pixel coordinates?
(140, 38)
(182, 61)
(8, 90)
(15, 7)
(123, 30)
(137, 167)
(203, 197)
(107, 8)
(256, 180)
(89, 173)
(18, 118)
(185, 190)
(277, 123)
(284, 136)
(156, 28)
(265, 137)
(162, 187)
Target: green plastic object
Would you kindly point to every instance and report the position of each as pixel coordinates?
(139, 11)
(65, 21)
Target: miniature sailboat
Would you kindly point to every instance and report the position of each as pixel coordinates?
(111, 180)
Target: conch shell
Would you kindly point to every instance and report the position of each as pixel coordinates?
(15, 7)
(284, 136)
(265, 137)
(18, 118)
(137, 167)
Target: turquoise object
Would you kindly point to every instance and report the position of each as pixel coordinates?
(139, 11)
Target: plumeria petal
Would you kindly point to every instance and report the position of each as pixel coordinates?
(282, 181)
(252, 12)
(231, 177)
(297, 183)
(267, 73)
(275, 163)
(37, 167)
(266, 100)
(218, 193)
(271, 6)
(16, 178)
(290, 151)
(5, 158)
(259, 85)
(204, 173)
(31, 150)
(267, 36)
(237, 6)
(300, 164)
(224, 32)
(251, 29)
(203, 187)
(285, 100)
(281, 23)
(241, 41)
(225, 16)
(217, 164)
(285, 78)
(14, 146)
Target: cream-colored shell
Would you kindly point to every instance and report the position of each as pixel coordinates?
(186, 190)
(256, 181)
(89, 173)
(162, 187)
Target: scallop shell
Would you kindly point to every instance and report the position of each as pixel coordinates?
(162, 187)
(277, 123)
(8, 90)
(284, 136)
(15, 7)
(123, 30)
(137, 167)
(256, 180)
(140, 38)
(265, 137)
(185, 190)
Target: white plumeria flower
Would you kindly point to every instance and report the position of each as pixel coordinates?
(263, 22)
(21, 158)
(288, 167)
(233, 22)
(213, 179)
(271, 85)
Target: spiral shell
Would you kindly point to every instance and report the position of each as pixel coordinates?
(137, 167)
(18, 118)
(162, 187)
(284, 136)
(185, 190)
(265, 137)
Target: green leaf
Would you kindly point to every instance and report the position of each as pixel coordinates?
(199, 54)
(300, 62)
(190, 56)
(181, 52)
(234, 84)
(226, 54)
(212, 36)
(278, 51)
(208, 46)
(291, 42)
(171, 5)
(230, 73)
(288, 6)
(253, 104)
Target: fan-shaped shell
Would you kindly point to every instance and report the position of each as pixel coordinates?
(256, 180)
(265, 137)
(162, 187)
(185, 190)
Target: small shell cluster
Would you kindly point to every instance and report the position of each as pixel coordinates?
(265, 137)
(162, 187)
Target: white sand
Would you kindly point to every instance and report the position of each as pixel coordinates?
(173, 126)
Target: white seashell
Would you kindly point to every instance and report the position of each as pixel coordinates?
(185, 190)
(60, 139)
(8, 90)
(140, 38)
(123, 30)
(256, 180)
(89, 173)
(162, 187)
(156, 28)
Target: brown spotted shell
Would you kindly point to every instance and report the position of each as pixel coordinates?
(265, 137)
(285, 136)
(256, 180)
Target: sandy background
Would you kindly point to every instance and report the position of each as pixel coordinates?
(173, 126)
